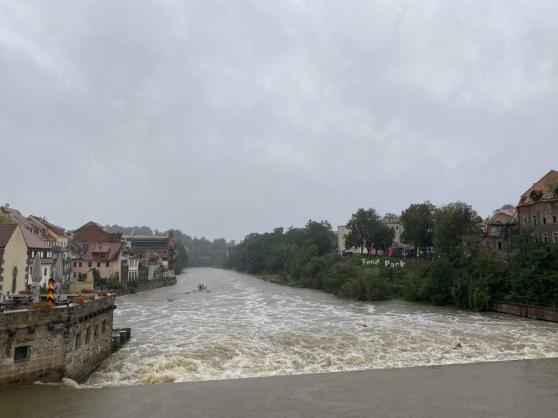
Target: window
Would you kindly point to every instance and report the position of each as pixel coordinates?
(98, 264)
(78, 340)
(74, 274)
(545, 238)
(544, 221)
(21, 353)
(107, 264)
(534, 219)
(80, 263)
(499, 245)
(88, 335)
(555, 237)
(89, 264)
(104, 327)
(96, 331)
(525, 221)
(75, 264)
(554, 218)
(14, 279)
(536, 237)
(44, 254)
(45, 272)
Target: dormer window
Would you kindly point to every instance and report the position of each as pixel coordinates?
(535, 195)
(556, 193)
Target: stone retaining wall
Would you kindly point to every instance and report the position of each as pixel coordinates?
(148, 285)
(60, 342)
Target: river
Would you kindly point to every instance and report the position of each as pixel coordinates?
(245, 327)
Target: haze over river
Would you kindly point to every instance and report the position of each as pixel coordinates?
(245, 327)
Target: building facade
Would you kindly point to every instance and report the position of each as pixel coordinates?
(538, 209)
(95, 248)
(13, 260)
(499, 229)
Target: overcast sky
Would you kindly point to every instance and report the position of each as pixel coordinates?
(226, 117)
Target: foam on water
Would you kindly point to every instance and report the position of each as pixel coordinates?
(245, 327)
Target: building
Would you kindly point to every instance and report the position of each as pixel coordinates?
(153, 255)
(499, 229)
(13, 259)
(105, 257)
(394, 222)
(94, 248)
(154, 246)
(36, 241)
(537, 209)
(57, 240)
(342, 232)
(35, 245)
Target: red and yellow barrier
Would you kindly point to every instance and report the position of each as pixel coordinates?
(50, 292)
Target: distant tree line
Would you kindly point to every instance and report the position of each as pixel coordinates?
(463, 272)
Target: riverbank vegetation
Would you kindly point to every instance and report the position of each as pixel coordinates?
(461, 273)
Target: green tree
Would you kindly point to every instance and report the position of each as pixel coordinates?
(321, 234)
(382, 236)
(362, 226)
(452, 223)
(418, 224)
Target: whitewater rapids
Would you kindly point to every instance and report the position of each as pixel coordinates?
(245, 327)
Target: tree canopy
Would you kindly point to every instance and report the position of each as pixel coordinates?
(418, 224)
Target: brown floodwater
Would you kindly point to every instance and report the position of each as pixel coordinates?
(245, 327)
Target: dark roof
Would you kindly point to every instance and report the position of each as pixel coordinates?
(6, 232)
(544, 189)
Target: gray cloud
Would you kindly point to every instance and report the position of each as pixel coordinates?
(226, 117)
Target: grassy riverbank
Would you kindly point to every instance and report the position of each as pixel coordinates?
(467, 275)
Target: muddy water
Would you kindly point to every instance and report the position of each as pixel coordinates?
(244, 327)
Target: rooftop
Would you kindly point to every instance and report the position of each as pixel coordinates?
(6, 232)
(544, 189)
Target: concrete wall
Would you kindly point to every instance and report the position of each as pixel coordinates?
(529, 311)
(61, 342)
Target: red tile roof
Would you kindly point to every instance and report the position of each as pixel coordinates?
(6, 232)
(546, 189)
(34, 241)
(54, 228)
(102, 251)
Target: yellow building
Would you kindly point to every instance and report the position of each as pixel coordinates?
(13, 259)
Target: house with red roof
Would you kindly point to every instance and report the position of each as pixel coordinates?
(96, 249)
